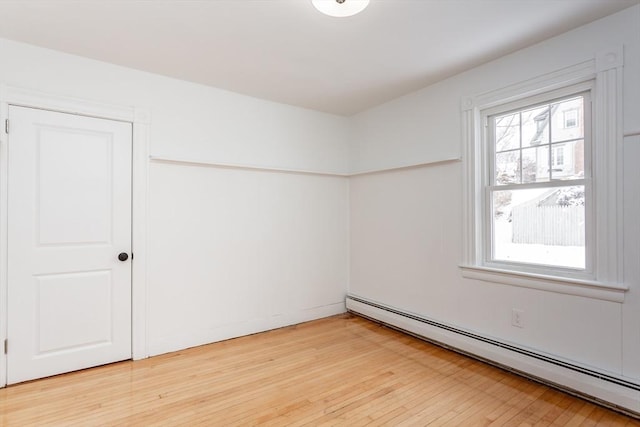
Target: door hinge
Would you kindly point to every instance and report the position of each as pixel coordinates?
(6, 126)
(6, 346)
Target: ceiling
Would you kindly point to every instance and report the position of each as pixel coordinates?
(286, 51)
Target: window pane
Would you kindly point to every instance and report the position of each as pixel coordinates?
(508, 167)
(535, 126)
(507, 129)
(540, 226)
(567, 160)
(567, 120)
(535, 164)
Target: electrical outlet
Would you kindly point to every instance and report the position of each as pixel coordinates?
(517, 318)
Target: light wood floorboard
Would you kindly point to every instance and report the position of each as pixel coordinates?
(343, 370)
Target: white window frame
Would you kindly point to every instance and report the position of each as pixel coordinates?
(602, 76)
(486, 175)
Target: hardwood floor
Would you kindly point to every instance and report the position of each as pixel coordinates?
(342, 370)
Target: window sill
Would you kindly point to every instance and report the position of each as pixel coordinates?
(584, 288)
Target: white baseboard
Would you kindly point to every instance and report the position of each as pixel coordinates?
(195, 338)
(625, 397)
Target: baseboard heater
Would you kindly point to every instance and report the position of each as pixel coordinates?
(510, 347)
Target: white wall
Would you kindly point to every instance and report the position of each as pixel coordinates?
(231, 251)
(242, 251)
(406, 241)
(189, 120)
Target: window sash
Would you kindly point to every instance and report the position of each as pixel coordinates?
(489, 119)
(534, 267)
(490, 185)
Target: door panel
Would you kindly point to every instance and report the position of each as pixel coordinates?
(69, 212)
(91, 293)
(74, 199)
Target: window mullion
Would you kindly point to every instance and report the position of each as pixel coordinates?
(520, 143)
(549, 136)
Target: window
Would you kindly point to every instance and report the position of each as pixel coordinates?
(570, 119)
(536, 207)
(542, 181)
(557, 158)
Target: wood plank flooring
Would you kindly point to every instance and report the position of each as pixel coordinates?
(342, 370)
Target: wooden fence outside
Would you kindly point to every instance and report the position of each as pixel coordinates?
(549, 225)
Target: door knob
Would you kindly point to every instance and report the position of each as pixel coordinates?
(123, 256)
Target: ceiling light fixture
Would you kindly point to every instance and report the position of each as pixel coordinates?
(340, 8)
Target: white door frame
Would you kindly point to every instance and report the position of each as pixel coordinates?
(140, 120)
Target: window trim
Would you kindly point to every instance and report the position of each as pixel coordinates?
(604, 72)
(561, 285)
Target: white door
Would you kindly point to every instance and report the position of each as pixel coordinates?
(69, 213)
